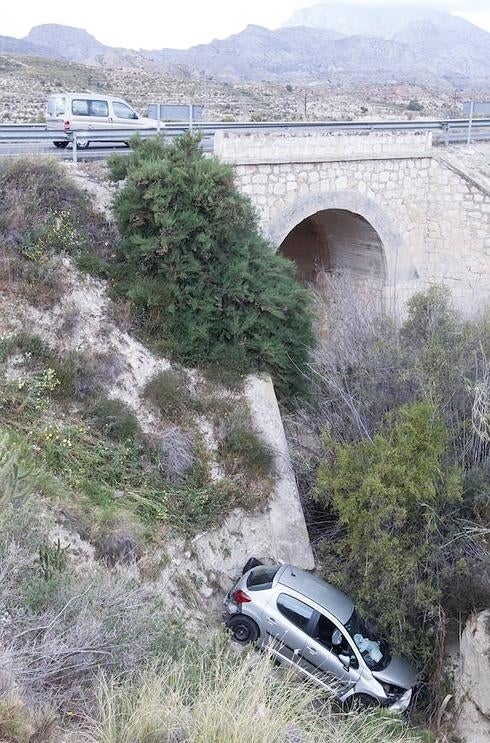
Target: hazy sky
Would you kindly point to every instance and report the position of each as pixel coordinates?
(181, 23)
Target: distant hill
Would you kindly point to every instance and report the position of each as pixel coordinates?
(11, 45)
(65, 41)
(383, 21)
(336, 43)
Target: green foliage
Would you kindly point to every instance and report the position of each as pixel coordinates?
(390, 494)
(205, 285)
(43, 210)
(168, 391)
(17, 477)
(244, 451)
(52, 559)
(114, 418)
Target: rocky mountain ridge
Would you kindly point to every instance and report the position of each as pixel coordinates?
(409, 45)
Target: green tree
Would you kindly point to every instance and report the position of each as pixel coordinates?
(390, 495)
(203, 281)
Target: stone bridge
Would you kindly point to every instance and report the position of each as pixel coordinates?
(388, 207)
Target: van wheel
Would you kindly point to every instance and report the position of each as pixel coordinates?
(62, 144)
(243, 629)
(82, 144)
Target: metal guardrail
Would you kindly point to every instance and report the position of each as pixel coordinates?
(449, 129)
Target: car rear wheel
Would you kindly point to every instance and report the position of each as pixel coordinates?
(82, 144)
(62, 144)
(243, 629)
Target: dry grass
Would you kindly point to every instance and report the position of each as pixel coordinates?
(225, 698)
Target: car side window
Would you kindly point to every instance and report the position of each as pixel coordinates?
(79, 107)
(99, 108)
(296, 611)
(329, 635)
(122, 111)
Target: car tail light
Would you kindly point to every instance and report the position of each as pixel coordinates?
(66, 126)
(240, 597)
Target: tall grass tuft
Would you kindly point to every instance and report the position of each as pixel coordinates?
(223, 697)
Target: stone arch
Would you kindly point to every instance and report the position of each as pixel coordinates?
(398, 264)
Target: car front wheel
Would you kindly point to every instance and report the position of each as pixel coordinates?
(362, 701)
(62, 144)
(243, 629)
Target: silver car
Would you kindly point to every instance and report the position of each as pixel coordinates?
(309, 624)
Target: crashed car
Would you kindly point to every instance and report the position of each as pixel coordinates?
(311, 625)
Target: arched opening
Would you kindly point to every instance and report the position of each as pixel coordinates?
(336, 241)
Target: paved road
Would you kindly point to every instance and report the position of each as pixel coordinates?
(100, 150)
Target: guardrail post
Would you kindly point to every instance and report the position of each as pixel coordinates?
(75, 151)
(470, 122)
(446, 133)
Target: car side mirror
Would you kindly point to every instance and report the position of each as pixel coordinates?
(346, 661)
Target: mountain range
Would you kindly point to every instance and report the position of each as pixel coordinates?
(326, 42)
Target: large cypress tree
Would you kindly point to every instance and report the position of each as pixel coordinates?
(203, 281)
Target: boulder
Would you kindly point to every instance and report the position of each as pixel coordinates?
(473, 680)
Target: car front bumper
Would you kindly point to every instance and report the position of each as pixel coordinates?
(402, 703)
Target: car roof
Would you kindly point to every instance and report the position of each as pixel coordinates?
(89, 96)
(321, 592)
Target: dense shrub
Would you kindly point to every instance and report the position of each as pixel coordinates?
(395, 445)
(168, 390)
(393, 501)
(43, 211)
(205, 285)
(114, 418)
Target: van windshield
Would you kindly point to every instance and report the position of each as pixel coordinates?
(373, 648)
(56, 105)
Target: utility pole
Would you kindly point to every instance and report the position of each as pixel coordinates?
(305, 101)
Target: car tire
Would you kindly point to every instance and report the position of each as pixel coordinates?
(61, 145)
(82, 144)
(243, 629)
(362, 701)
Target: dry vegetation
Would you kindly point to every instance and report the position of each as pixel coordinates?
(25, 83)
(91, 489)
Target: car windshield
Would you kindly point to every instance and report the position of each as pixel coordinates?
(373, 649)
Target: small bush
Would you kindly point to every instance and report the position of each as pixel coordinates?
(242, 450)
(119, 546)
(176, 455)
(169, 392)
(114, 419)
(43, 210)
(52, 559)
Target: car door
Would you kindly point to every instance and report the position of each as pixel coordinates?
(286, 620)
(320, 656)
(124, 116)
(89, 114)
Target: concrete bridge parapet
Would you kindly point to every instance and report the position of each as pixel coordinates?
(302, 146)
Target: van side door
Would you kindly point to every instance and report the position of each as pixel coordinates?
(89, 114)
(327, 641)
(124, 116)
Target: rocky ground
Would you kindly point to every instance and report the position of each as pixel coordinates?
(25, 83)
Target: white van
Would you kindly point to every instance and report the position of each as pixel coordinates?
(72, 112)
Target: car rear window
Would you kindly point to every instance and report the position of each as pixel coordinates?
(261, 577)
(56, 106)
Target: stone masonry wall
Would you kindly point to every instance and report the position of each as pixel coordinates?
(433, 222)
